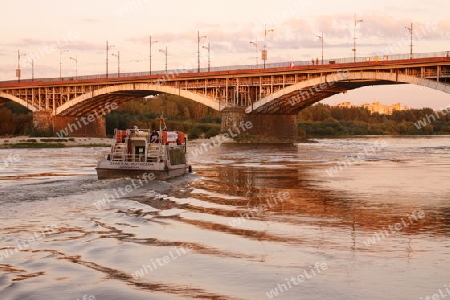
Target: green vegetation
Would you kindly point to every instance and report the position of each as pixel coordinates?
(15, 119)
(200, 121)
(325, 121)
(38, 145)
(180, 114)
(56, 140)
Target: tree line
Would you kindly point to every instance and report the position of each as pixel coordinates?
(198, 120)
(180, 114)
(15, 119)
(325, 120)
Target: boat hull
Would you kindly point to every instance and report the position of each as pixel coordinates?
(110, 170)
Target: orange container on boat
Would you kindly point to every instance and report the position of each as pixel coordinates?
(169, 137)
(164, 137)
(120, 135)
(180, 137)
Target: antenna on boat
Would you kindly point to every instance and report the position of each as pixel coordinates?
(162, 123)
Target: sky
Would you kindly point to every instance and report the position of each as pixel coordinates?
(40, 29)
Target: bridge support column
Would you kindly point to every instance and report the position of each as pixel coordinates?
(43, 121)
(264, 128)
(64, 126)
(69, 126)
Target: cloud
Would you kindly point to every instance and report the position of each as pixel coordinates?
(91, 20)
(334, 26)
(390, 28)
(295, 35)
(35, 45)
(404, 9)
(375, 31)
(86, 46)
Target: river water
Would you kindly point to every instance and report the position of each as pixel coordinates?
(361, 218)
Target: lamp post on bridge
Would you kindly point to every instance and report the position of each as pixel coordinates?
(410, 29)
(354, 37)
(18, 71)
(256, 51)
(118, 62)
(198, 49)
(321, 38)
(150, 44)
(76, 65)
(264, 52)
(165, 53)
(209, 55)
(61, 51)
(107, 49)
(32, 68)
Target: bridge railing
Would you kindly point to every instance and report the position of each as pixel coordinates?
(391, 57)
(162, 73)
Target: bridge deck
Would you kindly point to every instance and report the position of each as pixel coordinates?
(284, 89)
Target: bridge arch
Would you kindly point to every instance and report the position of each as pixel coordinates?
(19, 101)
(293, 98)
(122, 93)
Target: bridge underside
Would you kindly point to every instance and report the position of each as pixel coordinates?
(293, 98)
(293, 102)
(99, 103)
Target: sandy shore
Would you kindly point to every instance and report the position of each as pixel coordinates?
(6, 142)
(41, 142)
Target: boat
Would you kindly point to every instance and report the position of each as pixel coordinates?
(142, 153)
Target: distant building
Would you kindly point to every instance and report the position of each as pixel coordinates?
(344, 104)
(376, 107)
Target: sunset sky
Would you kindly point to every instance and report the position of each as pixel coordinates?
(38, 28)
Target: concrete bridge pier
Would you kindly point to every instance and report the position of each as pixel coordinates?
(70, 126)
(43, 120)
(79, 126)
(261, 128)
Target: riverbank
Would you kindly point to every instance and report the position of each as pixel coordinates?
(49, 142)
(46, 142)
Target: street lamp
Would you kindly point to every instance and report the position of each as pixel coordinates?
(76, 65)
(321, 38)
(18, 64)
(150, 43)
(209, 55)
(118, 62)
(107, 49)
(411, 32)
(198, 48)
(264, 54)
(32, 68)
(354, 37)
(165, 53)
(256, 51)
(61, 51)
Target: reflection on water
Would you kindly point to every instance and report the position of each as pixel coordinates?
(252, 215)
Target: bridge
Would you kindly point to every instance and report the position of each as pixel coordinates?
(270, 98)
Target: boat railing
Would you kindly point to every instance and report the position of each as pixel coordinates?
(134, 158)
(138, 132)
